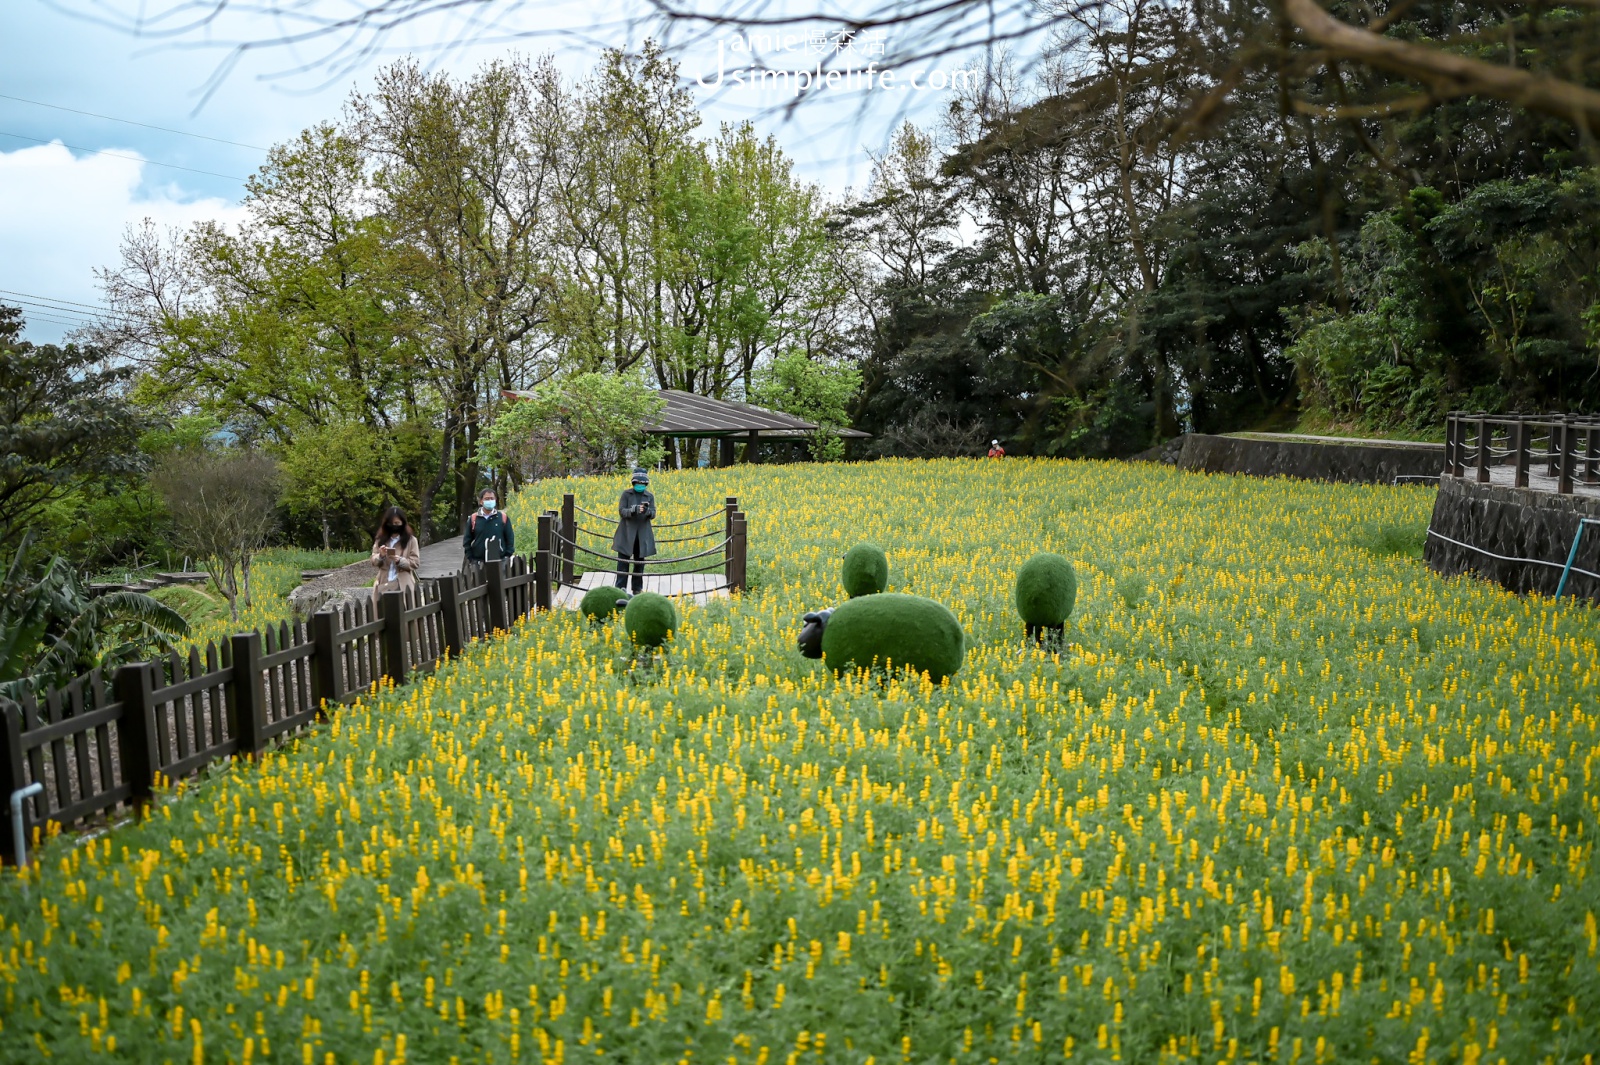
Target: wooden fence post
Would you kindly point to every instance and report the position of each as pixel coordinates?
(1591, 455)
(450, 616)
(136, 733)
(247, 702)
(569, 537)
(542, 557)
(1523, 453)
(737, 579)
(1483, 449)
(327, 669)
(13, 778)
(1569, 456)
(495, 574)
(392, 611)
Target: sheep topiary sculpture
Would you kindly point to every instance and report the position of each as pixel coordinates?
(1047, 588)
(895, 630)
(603, 603)
(865, 570)
(650, 618)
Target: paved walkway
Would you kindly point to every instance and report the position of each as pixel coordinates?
(442, 559)
(1337, 439)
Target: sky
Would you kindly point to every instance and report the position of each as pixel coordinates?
(64, 208)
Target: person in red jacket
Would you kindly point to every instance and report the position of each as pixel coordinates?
(995, 450)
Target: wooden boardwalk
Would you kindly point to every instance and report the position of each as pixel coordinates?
(699, 587)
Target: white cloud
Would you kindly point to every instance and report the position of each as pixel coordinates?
(62, 216)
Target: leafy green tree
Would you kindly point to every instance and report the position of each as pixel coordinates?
(224, 507)
(65, 424)
(581, 423)
(816, 391)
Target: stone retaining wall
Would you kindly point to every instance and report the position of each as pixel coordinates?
(1517, 523)
(1366, 462)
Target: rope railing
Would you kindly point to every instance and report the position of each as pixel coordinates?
(1568, 446)
(647, 561)
(662, 525)
(659, 540)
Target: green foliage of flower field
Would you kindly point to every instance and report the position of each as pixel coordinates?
(1286, 796)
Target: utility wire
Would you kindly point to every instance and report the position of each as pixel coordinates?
(119, 155)
(60, 311)
(131, 122)
(52, 299)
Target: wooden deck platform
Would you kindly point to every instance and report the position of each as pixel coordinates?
(699, 587)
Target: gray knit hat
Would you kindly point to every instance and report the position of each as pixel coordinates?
(640, 476)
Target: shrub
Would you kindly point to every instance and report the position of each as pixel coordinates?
(599, 604)
(1047, 587)
(650, 619)
(866, 570)
(893, 629)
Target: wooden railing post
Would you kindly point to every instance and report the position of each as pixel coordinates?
(569, 537)
(1591, 455)
(1552, 449)
(136, 733)
(450, 614)
(392, 611)
(543, 556)
(327, 666)
(245, 694)
(738, 574)
(13, 778)
(1569, 456)
(1522, 450)
(1483, 449)
(495, 574)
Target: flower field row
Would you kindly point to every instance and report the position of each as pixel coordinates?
(1287, 797)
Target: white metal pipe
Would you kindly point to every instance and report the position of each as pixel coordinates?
(18, 797)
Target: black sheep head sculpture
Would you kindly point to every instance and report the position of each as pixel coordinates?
(811, 633)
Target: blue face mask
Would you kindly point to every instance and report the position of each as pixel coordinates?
(639, 487)
(488, 504)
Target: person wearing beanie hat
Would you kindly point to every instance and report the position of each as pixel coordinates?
(635, 540)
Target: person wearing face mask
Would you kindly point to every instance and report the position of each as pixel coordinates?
(395, 555)
(635, 540)
(486, 524)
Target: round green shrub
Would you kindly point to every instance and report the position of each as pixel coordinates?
(602, 602)
(895, 630)
(1047, 587)
(866, 570)
(650, 618)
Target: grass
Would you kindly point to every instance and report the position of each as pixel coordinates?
(1287, 796)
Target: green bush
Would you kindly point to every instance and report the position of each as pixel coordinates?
(1047, 586)
(866, 570)
(599, 604)
(893, 629)
(650, 619)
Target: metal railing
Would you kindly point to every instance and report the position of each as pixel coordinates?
(1566, 445)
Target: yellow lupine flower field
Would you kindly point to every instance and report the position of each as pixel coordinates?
(1286, 796)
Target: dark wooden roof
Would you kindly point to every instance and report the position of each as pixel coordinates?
(687, 414)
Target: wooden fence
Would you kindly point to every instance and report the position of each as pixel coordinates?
(1566, 445)
(100, 745)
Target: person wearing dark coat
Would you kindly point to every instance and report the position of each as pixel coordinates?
(635, 540)
(484, 525)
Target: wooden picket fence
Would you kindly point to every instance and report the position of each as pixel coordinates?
(99, 749)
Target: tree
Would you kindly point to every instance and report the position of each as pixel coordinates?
(224, 506)
(583, 423)
(815, 391)
(64, 424)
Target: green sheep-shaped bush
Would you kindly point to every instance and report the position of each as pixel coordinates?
(602, 603)
(1047, 588)
(893, 629)
(865, 570)
(650, 619)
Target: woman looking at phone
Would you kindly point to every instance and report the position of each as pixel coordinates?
(395, 555)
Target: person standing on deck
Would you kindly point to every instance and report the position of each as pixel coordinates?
(486, 524)
(635, 540)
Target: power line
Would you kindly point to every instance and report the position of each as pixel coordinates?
(51, 299)
(131, 122)
(119, 155)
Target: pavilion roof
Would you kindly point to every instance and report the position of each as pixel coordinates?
(687, 414)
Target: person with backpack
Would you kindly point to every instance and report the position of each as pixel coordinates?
(484, 525)
(635, 540)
